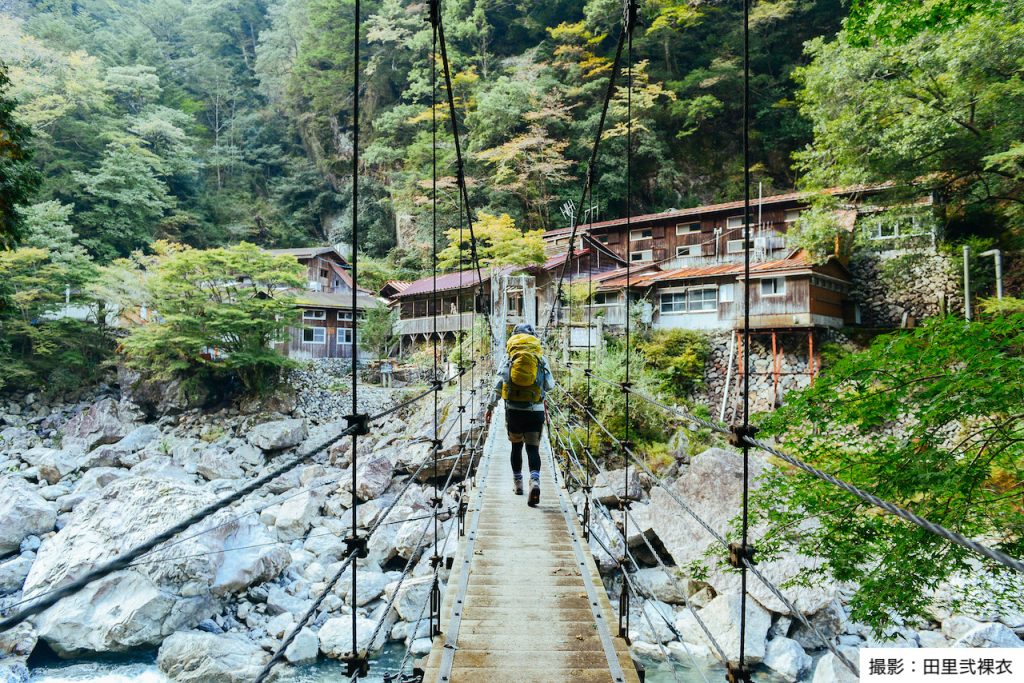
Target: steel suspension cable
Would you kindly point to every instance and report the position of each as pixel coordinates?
(725, 545)
(589, 179)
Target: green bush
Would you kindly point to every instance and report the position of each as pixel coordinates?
(677, 359)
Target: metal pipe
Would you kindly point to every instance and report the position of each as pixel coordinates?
(998, 257)
(967, 282)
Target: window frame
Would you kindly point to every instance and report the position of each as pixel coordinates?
(678, 299)
(640, 253)
(795, 213)
(307, 311)
(687, 228)
(689, 248)
(777, 290)
(347, 319)
(344, 336)
(729, 222)
(730, 250)
(648, 236)
(703, 300)
(313, 332)
(729, 287)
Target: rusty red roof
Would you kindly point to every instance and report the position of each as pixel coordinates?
(448, 281)
(725, 206)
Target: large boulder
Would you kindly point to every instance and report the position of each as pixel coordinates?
(722, 618)
(297, 513)
(610, 487)
(14, 571)
(124, 452)
(411, 596)
(216, 463)
(336, 636)
(712, 485)
(373, 477)
(785, 657)
(273, 436)
(99, 424)
(200, 657)
(657, 582)
(989, 635)
(166, 591)
(23, 512)
(830, 669)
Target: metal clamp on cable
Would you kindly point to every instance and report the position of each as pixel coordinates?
(437, 385)
(625, 386)
(360, 423)
(435, 560)
(436, 444)
(357, 665)
(435, 501)
(588, 372)
(434, 6)
(462, 409)
(630, 15)
(738, 435)
(740, 554)
(735, 673)
(357, 546)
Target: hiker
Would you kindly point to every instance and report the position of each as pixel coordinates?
(522, 381)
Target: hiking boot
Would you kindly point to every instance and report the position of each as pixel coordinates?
(534, 493)
(519, 487)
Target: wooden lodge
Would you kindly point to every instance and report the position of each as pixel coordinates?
(324, 313)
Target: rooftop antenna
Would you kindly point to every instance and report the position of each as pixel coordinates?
(569, 211)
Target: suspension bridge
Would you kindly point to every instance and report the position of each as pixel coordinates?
(523, 598)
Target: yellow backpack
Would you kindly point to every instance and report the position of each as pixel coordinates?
(525, 355)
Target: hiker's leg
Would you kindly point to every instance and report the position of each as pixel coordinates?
(517, 455)
(532, 440)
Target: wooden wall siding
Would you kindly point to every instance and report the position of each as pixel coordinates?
(296, 348)
(316, 266)
(422, 306)
(826, 302)
(664, 239)
(425, 325)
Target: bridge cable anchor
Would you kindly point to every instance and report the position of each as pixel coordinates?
(357, 665)
(359, 423)
(739, 434)
(741, 555)
(737, 673)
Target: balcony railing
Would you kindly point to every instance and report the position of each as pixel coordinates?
(425, 325)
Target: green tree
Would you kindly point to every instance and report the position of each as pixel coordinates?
(18, 178)
(218, 313)
(377, 331)
(929, 419)
(41, 348)
(498, 243)
(940, 110)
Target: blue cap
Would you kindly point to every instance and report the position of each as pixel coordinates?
(524, 328)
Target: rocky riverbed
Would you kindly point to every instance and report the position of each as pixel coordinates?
(80, 483)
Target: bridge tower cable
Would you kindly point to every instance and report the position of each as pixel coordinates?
(435, 591)
(743, 555)
(629, 21)
(357, 545)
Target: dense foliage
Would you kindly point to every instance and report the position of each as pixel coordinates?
(216, 314)
(930, 419)
(18, 178)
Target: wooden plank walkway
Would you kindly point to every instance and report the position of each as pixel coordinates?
(525, 601)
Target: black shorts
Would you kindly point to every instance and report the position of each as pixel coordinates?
(522, 422)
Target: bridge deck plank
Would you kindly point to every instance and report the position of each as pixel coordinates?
(525, 613)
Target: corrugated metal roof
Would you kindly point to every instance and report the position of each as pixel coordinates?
(305, 252)
(397, 285)
(797, 262)
(333, 300)
(446, 282)
(725, 206)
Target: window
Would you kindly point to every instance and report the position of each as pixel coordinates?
(603, 239)
(314, 335)
(642, 234)
(727, 293)
(344, 335)
(323, 272)
(639, 256)
(733, 222)
(344, 315)
(736, 246)
(688, 251)
(673, 302)
(773, 286)
(314, 314)
(791, 215)
(702, 299)
(602, 298)
(687, 228)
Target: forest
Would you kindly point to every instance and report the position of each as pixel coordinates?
(134, 123)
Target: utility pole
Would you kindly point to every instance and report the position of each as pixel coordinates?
(967, 282)
(998, 256)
